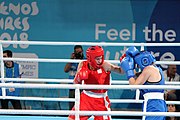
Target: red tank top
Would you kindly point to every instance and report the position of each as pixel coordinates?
(97, 77)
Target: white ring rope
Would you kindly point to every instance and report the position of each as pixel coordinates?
(36, 80)
(77, 87)
(73, 100)
(66, 112)
(67, 86)
(70, 86)
(76, 61)
(88, 43)
(39, 98)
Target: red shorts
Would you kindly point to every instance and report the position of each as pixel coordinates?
(90, 102)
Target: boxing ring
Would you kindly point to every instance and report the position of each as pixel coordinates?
(59, 114)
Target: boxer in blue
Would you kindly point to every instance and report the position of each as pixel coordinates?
(150, 75)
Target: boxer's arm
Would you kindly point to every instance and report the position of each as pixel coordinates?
(76, 76)
(82, 74)
(111, 67)
(141, 79)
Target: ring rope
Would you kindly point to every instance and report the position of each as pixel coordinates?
(67, 112)
(70, 80)
(73, 100)
(77, 87)
(71, 86)
(76, 61)
(67, 86)
(88, 43)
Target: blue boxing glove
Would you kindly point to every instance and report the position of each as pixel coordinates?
(127, 64)
(132, 51)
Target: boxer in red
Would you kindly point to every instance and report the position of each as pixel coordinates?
(94, 71)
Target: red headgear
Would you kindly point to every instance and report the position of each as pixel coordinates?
(93, 52)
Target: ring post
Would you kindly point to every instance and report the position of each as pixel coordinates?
(77, 101)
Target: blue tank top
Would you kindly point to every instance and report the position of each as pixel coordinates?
(73, 70)
(161, 82)
(12, 72)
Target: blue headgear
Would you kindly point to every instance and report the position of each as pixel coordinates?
(144, 59)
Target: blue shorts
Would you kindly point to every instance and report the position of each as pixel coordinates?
(156, 105)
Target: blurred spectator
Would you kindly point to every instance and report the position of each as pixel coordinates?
(172, 108)
(11, 70)
(172, 97)
(171, 75)
(178, 99)
(72, 69)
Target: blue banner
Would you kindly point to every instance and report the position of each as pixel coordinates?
(117, 21)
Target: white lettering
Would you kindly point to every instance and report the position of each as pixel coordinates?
(14, 8)
(2, 23)
(22, 37)
(35, 9)
(112, 34)
(15, 39)
(124, 34)
(3, 9)
(25, 24)
(134, 32)
(25, 9)
(157, 34)
(98, 31)
(168, 56)
(9, 23)
(107, 55)
(147, 31)
(5, 36)
(17, 23)
(170, 35)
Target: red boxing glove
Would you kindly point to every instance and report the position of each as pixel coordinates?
(82, 74)
(123, 56)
